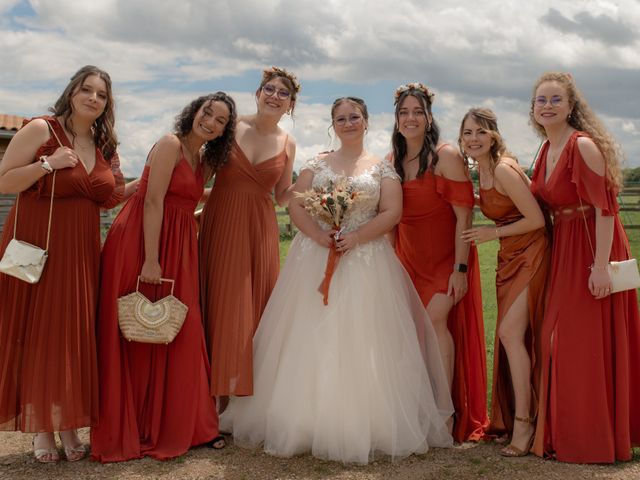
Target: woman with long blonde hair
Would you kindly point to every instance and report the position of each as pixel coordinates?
(590, 337)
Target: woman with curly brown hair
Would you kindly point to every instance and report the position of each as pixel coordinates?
(48, 373)
(523, 260)
(239, 235)
(437, 206)
(144, 387)
(590, 338)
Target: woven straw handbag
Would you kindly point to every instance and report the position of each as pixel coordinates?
(142, 320)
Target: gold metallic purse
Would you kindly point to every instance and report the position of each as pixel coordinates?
(142, 320)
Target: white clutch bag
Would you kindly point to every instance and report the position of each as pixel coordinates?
(624, 275)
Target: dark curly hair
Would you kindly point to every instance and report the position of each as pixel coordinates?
(216, 151)
(431, 137)
(104, 135)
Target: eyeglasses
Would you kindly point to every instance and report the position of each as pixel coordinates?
(541, 101)
(353, 119)
(269, 90)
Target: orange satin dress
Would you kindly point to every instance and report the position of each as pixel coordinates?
(154, 399)
(589, 407)
(523, 261)
(425, 245)
(239, 265)
(48, 369)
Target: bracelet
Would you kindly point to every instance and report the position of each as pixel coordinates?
(497, 234)
(595, 267)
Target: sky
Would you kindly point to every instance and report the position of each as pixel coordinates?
(161, 54)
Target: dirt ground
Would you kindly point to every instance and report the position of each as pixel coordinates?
(468, 461)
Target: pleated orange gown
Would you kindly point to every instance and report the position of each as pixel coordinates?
(48, 372)
(239, 261)
(590, 349)
(154, 399)
(425, 245)
(523, 261)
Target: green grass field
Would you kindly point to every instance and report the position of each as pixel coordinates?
(487, 253)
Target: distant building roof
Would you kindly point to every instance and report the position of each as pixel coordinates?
(10, 122)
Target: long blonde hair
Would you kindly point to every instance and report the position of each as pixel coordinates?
(487, 120)
(583, 119)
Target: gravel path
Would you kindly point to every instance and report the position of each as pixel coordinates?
(469, 461)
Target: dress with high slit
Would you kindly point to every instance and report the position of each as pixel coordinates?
(589, 349)
(154, 399)
(523, 262)
(239, 262)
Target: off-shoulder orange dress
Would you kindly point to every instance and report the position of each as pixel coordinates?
(590, 349)
(523, 261)
(48, 370)
(239, 265)
(425, 245)
(154, 399)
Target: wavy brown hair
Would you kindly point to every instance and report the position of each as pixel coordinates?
(104, 135)
(216, 151)
(428, 156)
(583, 119)
(489, 122)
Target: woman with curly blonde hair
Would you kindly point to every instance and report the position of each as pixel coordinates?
(590, 337)
(523, 260)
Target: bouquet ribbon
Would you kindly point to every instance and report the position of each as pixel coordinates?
(332, 263)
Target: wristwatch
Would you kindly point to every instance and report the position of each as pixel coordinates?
(46, 166)
(460, 267)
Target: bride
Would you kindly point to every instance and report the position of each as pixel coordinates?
(362, 375)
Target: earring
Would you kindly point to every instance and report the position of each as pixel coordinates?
(428, 129)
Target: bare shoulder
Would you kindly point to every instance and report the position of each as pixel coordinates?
(167, 147)
(591, 154)
(451, 164)
(37, 130)
(169, 141)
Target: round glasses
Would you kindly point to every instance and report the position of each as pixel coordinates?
(353, 119)
(281, 93)
(554, 101)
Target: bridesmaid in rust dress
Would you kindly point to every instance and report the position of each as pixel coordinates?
(437, 205)
(239, 235)
(590, 338)
(154, 399)
(523, 260)
(48, 371)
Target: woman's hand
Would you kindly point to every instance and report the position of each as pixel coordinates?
(457, 286)
(599, 282)
(480, 235)
(324, 238)
(151, 272)
(63, 157)
(346, 242)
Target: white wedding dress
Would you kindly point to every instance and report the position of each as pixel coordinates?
(357, 377)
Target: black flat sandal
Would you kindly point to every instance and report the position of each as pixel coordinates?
(217, 443)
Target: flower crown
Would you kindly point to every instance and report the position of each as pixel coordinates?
(281, 72)
(421, 87)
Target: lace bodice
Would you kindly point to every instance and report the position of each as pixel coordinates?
(367, 182)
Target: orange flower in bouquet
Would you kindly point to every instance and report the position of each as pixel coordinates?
(330, 205)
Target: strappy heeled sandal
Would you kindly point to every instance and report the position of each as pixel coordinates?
(73, 454)
(41, 454)
(511, 450)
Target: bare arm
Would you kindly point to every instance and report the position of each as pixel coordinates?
(302, 219)
(18, 171)
(284, 190)
(517, 189)
(162, 161)
(451, 166)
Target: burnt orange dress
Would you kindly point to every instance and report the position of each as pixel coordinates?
(588, 410)
(48, 370)
(425, 245)
(239, 264)
(154, 399)
(523, 260)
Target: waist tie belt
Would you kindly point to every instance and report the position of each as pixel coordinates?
(572, 211)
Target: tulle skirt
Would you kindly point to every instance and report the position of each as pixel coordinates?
(358, 377)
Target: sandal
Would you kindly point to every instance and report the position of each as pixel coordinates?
(511, 450)
(73, 453)
(217, 443)
(45, 455)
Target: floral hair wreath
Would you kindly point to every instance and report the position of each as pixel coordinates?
(421, 87)
(281, 72)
